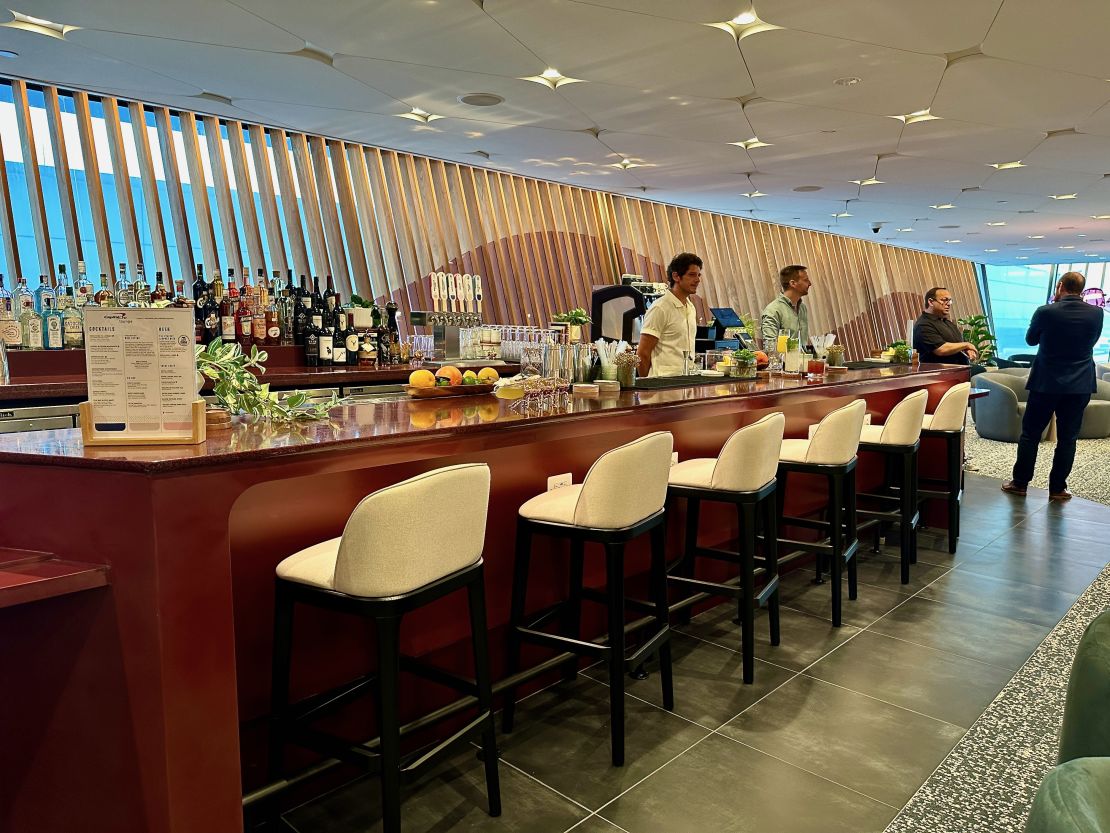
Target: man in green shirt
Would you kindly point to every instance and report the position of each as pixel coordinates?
(787, 312)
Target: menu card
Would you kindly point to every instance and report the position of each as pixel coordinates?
(141, 366)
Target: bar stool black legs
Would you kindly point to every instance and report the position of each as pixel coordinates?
(951, 489)
(902, 493)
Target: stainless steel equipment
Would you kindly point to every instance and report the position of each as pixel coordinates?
(445, 328)
(37, 418)
(373, 394)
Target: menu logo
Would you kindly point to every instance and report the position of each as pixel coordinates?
(117, 315)
(7, 414)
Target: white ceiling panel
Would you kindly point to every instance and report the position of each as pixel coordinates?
(1005, 202)
(795, 161)
(1072, 152)
(67, 63)
(678, 116)
(961, 141)
(632, 50)
(235, 73)
(800, 67)
(1008, 94)
(437, 91)
(1042, 181)
(912, 170)
(204, 21)
(693, 11)
(1068, 36)
(938, 26)
(458, 35)
(784, 185)
(772, 119)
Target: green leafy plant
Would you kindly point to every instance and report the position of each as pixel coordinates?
(744, 357)
(577, 317)
(901, 352)
(359, 301)
(238, 391)
(976, 330)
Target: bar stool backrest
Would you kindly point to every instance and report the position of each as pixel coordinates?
(903, 424)
(626, 484)
(952, 409)
(836, 440)
(750, 457)
(387, 551)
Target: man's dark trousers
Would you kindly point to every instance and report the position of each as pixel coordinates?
(1069, 417)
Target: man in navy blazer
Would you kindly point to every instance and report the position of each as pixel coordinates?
(1061, 382)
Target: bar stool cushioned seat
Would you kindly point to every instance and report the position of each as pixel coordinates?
(830, 451)
(743, 475)
(947, 423)
(382, 567)
(621, 497)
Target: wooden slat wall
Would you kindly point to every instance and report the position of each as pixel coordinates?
(380, 221)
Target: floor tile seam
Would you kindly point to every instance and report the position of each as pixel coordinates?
(739, 652)
(546, 786)
(888, 703)
(594, 815)
(1050, 557)
(808, 771)
(629, 789)
(967, 568)
(946, 652)
(1026, 621)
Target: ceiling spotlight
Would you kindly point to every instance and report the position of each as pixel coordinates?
(942, 206)
(1100, 216)
(1035, 236)
(744, 19)
(552, 79)
(1005, 166)
(869, 181)
(1065, 247)
(625, 164)
(1062, 196)
(999, 223)
(915, 117)
(753, 142)
(1022, 257)
(990, 250)
(39, 25)
(416, 114)
(743, 25)
(841, 214)
(905, 229)
(953, 241)
(751, 195)
(848, 81)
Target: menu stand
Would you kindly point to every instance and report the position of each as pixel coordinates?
(91, 437)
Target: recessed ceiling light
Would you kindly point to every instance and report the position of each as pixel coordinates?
(39, 25)
(1065, 247)
(480, 99)
(744, 19)
(753, 142)
(7, 53)
(1080, 235)
(953, 241)
(416, 114)
(868, 181)
(943, 206)
(805, 189)
(1035, 236)
(743, 25)
(841, 214)
(1062, 196)
(1000, 223)
(552, 78)
(954, 227)
(1005, 166)
(915, 117)
(848, 81)
(751, 195)
(905, 229)
(1022, 257)
(990, 250)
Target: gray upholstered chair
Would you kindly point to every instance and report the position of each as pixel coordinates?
(1103, 371)
(998, 416)
(1096, 419)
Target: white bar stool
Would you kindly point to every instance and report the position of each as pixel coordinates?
(947, 422)
(831, 453)
(898, 440)
(621, 498)
(743, 475)
(382, 567)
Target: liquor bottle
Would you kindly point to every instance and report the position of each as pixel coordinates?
(11, 333)
(381, 335)
(271, 317)
(339, 335)
(227, 316)
(141, 288)
(159, 297)
(287, 312)
(61, 296)
(317, 298)
(73, 328)
(30, 323)
(264, 291)
(180, 299)
(330, 299)
(104, 296)
(391, 313)
(352, 340)
(44, 296)
(171, 291)
(125, 296)
(311, 343)
(327, 336)
(248, 289)
(244, 323)
(85, 288)
(24, 300)
(211, 318)
(232, 289)
(217, 285)
(304, 294)
(300, 317)
(200, 287)
(394, 349)
(53, 329)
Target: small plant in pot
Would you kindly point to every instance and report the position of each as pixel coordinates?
(575, 319)
(744, 366)
(901, 353)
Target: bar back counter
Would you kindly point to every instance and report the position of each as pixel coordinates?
(136, 601)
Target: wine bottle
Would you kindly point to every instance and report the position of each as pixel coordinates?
(311, 343)
(211, 318)
(330, 299)
(200, 288)
(327, 336)
(244, 322)
(352, 340)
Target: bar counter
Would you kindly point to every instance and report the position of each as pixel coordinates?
(141, 705)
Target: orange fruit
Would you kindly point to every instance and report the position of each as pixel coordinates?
(488, 375)
(422, 379)
(451, 373)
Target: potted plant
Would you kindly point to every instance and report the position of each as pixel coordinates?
(900, 352)
(744, 366)
(574, 320)
(976, 330)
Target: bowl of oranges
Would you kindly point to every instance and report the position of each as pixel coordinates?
(450, 381)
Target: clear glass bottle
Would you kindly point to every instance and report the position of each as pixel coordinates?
(159, 296)
(53, 329)
(141, 287)
(125, 295)
(63, 292)
(85, 288)
(7, 302)
(24, 300)
(73, 328)
(44, 296)
(30, 323)
(104, 296)
(11, 333)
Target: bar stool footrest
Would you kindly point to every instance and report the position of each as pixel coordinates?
(649, 648)
(551, 640)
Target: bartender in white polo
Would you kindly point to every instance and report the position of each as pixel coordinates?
(671, 323)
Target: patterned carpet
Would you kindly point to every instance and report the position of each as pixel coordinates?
(1090, 476)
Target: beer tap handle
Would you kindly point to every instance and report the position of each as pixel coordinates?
(435, 276)
(478, 295)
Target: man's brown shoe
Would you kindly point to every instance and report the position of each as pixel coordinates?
(1060, 496)
(1014, 489)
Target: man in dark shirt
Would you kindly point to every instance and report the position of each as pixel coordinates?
(1061, 382)
(936, 337)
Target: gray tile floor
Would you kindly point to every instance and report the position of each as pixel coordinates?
(840, 729)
